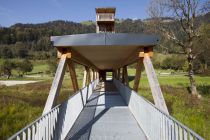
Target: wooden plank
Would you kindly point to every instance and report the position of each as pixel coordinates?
(56, 85)
(73, 75)
(137, 78)
(154, 84)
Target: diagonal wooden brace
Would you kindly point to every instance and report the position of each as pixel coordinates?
(56, 85)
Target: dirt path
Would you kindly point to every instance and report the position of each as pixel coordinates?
(14, 82)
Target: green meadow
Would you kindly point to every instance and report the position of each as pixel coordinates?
(21, 104)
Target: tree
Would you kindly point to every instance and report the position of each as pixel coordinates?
(24, 67)
(184, 31)
(52, 66)
(6, 52)
(7, 67)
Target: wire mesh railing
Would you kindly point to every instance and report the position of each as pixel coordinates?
(156, 124)
(56, 123)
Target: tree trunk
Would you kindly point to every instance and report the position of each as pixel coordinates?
(9, 74)
(191, 75)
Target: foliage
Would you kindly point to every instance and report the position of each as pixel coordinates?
(173, 62)
(52, 66)
(6, 68)
(184, 13)
(24, 67)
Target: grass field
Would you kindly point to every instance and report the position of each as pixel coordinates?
(22, 104)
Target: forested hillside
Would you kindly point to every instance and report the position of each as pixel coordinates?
(33, 40)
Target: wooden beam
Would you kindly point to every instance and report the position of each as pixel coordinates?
(93, 74)
(123, 80)
(137, 78)
(125, 75)
(74, 55)
(114, 74)
(73, 75)
(118, 74)
(84, 78)
(88, 79)
(154, 84)
(77, 57)
(56, 85)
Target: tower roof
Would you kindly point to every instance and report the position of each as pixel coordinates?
(106, 10)
(106, 50)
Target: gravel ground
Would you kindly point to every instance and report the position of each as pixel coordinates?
(14, 82)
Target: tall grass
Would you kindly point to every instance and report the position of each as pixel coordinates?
(21, 104)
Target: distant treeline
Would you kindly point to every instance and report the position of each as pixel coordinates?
(33, 40)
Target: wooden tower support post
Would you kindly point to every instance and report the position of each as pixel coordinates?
(125, 76)
(137, 78)
(88, 78)
(114, 74)
(118, 74)
(153, 81)
(73, 75)
(94, 75)
(84, 78)
(57, 82)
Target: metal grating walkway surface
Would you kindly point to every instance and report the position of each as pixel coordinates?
(105, 117)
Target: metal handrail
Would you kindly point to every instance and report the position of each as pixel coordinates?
(47, 122)
(178, 130)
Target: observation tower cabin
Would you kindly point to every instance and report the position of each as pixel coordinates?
(105, 19)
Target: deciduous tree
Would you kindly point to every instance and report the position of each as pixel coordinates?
(184, 13)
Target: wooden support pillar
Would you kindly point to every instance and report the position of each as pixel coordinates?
(118, 74)
(114, 74)
(97, 75)
(125, 76)
(154, 84)
(137, 78)
(93, 74)
(84, 78)
(56, 85)
(73, 75)
(88, 79)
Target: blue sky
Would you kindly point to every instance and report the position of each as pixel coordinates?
(38, 11)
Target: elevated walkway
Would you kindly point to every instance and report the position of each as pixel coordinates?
(106, 116)
(106, 111)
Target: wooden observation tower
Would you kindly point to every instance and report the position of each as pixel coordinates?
(105, 20)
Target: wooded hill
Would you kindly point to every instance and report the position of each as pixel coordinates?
(33, 40)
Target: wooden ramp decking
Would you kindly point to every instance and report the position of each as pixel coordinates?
(106, 117)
